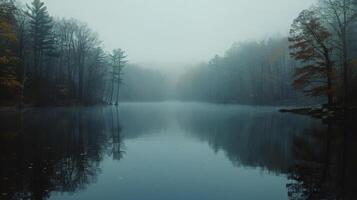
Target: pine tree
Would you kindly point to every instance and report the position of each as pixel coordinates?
(41, 32)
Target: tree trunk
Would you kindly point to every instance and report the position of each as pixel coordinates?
(329, 74)
(345, 56)
(112, 90)
(345, 72)
(23, 87)
(118, 90)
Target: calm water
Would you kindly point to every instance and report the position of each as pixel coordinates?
(175, 151)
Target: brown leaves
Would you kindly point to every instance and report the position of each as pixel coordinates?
(12, 84)
(8, 39)
(310, 45)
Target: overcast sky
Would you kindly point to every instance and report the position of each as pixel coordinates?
(174, 32)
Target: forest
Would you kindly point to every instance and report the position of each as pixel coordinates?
(47, 61)
(58, 61)
(316, 63)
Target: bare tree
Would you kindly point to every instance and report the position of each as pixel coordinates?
(340, 15)
(118, 62)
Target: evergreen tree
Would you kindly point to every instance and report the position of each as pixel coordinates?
(41, 33)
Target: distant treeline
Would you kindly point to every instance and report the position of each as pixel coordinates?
(249, 73)
(318, 59)
(144, 85)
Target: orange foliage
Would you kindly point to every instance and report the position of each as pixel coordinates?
(310, 45)
(8, 39)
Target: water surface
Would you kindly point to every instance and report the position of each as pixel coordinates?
(174, 151)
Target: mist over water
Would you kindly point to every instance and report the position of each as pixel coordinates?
(171, 151)
(160, 151)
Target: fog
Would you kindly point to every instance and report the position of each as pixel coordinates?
(226, 51)
(175, 34)
(178, 99)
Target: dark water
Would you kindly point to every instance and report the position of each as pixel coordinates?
(174, 151)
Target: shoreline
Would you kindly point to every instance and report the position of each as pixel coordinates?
(317, 112)
(324, 113)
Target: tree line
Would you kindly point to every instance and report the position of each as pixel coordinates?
(319, 55)
(248, 73)
(145, 85)
(47, 61)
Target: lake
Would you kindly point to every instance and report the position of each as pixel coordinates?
(175, 151)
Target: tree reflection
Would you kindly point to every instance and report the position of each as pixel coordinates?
(58, 150)
(325, 165)
(116, 139)
(319, 159)
(249, 138)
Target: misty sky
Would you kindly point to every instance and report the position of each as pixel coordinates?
(174, 32)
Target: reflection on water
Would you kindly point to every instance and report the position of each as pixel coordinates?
(325, 165)
(159, 151)
(55, 150)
